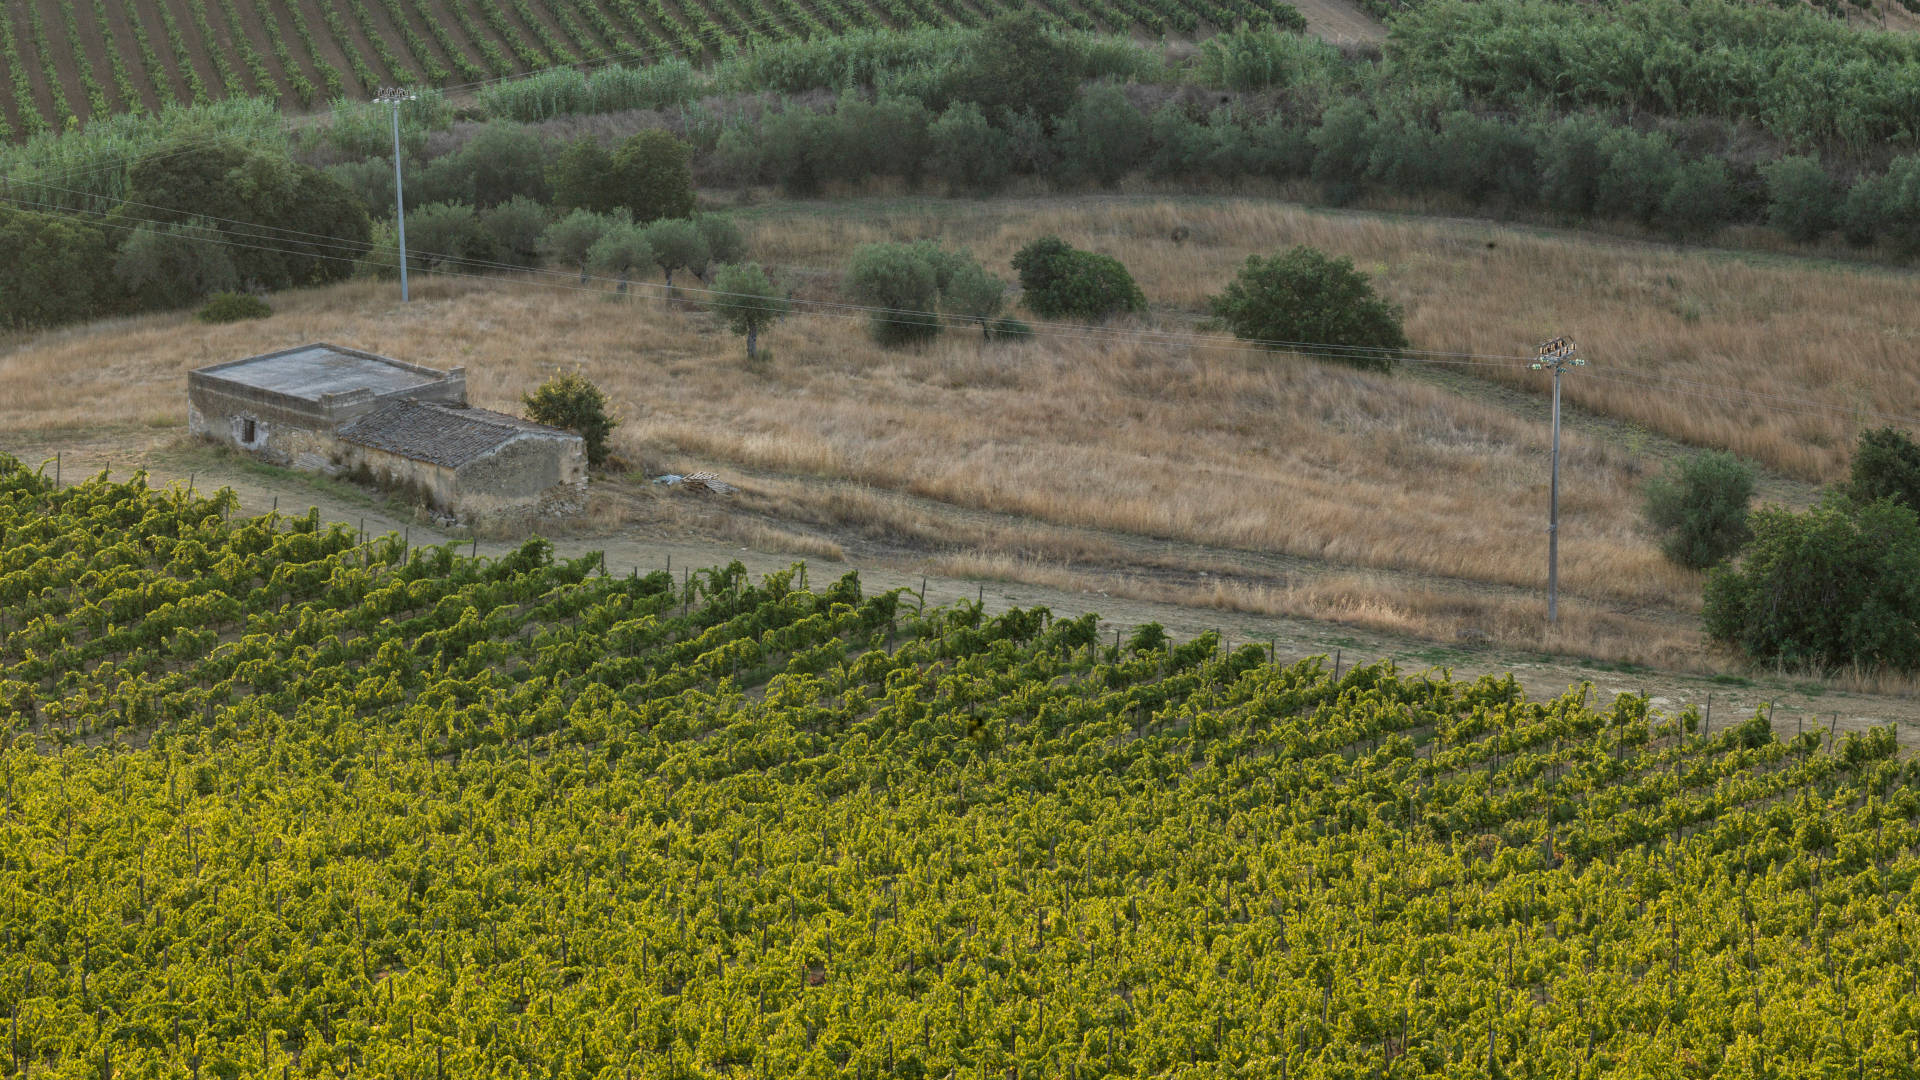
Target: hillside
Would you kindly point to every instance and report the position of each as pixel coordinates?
(327, 805)
(1412, 502)
(69, 58)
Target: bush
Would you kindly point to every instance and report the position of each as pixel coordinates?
(445, 179)
(793, 149)
(970, 154)
(371, 182)
(1800, 197)
(1836, 586)
(171, 266)
(1572, 159)
(1699, 506)
(1639, 172)
(571, 402)
(1181, 144)
(887, 137)
(1699, 200)
(237, 192)
(1059, 282)
(1256, 59)
(1031, 151)
(1021, 62)
(506, 160)
(1886, 465)
(1343, 149)
(1308, 296)
(654, 176)
(229, 307)
(1901, 207)
(1102, 137)
(677, 245)
(1477, 156)
(1863, 215)
(971, 293)
(582, 177)
(514, 227)
(725, 242)
(622, 250)
(899, 280)
(1008, 328)
(57, 269)
(446, 236)
(571, 238)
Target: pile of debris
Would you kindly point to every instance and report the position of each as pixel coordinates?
(699, 481)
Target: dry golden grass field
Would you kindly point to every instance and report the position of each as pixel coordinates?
(1413, 502)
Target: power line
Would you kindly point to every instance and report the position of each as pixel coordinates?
(444, 265)
(1737, 396)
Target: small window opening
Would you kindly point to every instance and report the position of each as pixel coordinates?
(246, 430)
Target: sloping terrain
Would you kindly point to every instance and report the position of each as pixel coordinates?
(1411, 503)
(282, 800)
(87, 58)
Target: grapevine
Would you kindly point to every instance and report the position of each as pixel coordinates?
(329, 75)
(97, 104)
(149, 59)
(31, 121)
(229, 78)
(316, 801)
(303, 88)
(62, 111)
(183, 58)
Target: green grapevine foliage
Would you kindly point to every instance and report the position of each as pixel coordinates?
(279, 800)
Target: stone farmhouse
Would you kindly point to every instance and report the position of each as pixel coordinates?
(333, 410)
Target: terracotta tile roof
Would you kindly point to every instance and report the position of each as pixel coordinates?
(440, 434)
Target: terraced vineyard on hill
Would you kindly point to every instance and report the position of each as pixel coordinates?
(63, 62)
(275, 800)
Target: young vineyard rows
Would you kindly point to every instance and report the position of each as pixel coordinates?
(69, 61)
(277, 801)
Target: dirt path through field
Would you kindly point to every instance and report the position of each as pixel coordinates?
(650, 543)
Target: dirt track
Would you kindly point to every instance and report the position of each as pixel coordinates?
(656, 536)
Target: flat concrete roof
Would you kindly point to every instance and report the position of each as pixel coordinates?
(311, 371)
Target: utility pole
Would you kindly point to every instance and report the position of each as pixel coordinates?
(395, 97)
(1558, 355)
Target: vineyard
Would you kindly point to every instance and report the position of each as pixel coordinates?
(278, 799)
(69, 61)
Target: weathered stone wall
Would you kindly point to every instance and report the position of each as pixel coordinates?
(433, 484)
(283, 427)
(290, 430)
(533, 475)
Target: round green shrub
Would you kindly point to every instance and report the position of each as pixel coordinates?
(1834, 587)
(572, 402)
(1061, 282)
(1306, 297)
(1699, 506)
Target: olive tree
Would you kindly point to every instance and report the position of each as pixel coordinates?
(1305, 296)
(749, 302)
(621, 250)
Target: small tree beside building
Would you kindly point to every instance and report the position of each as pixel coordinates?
(571, 401)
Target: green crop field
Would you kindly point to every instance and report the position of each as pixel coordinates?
(63, 62)
(278, 800)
